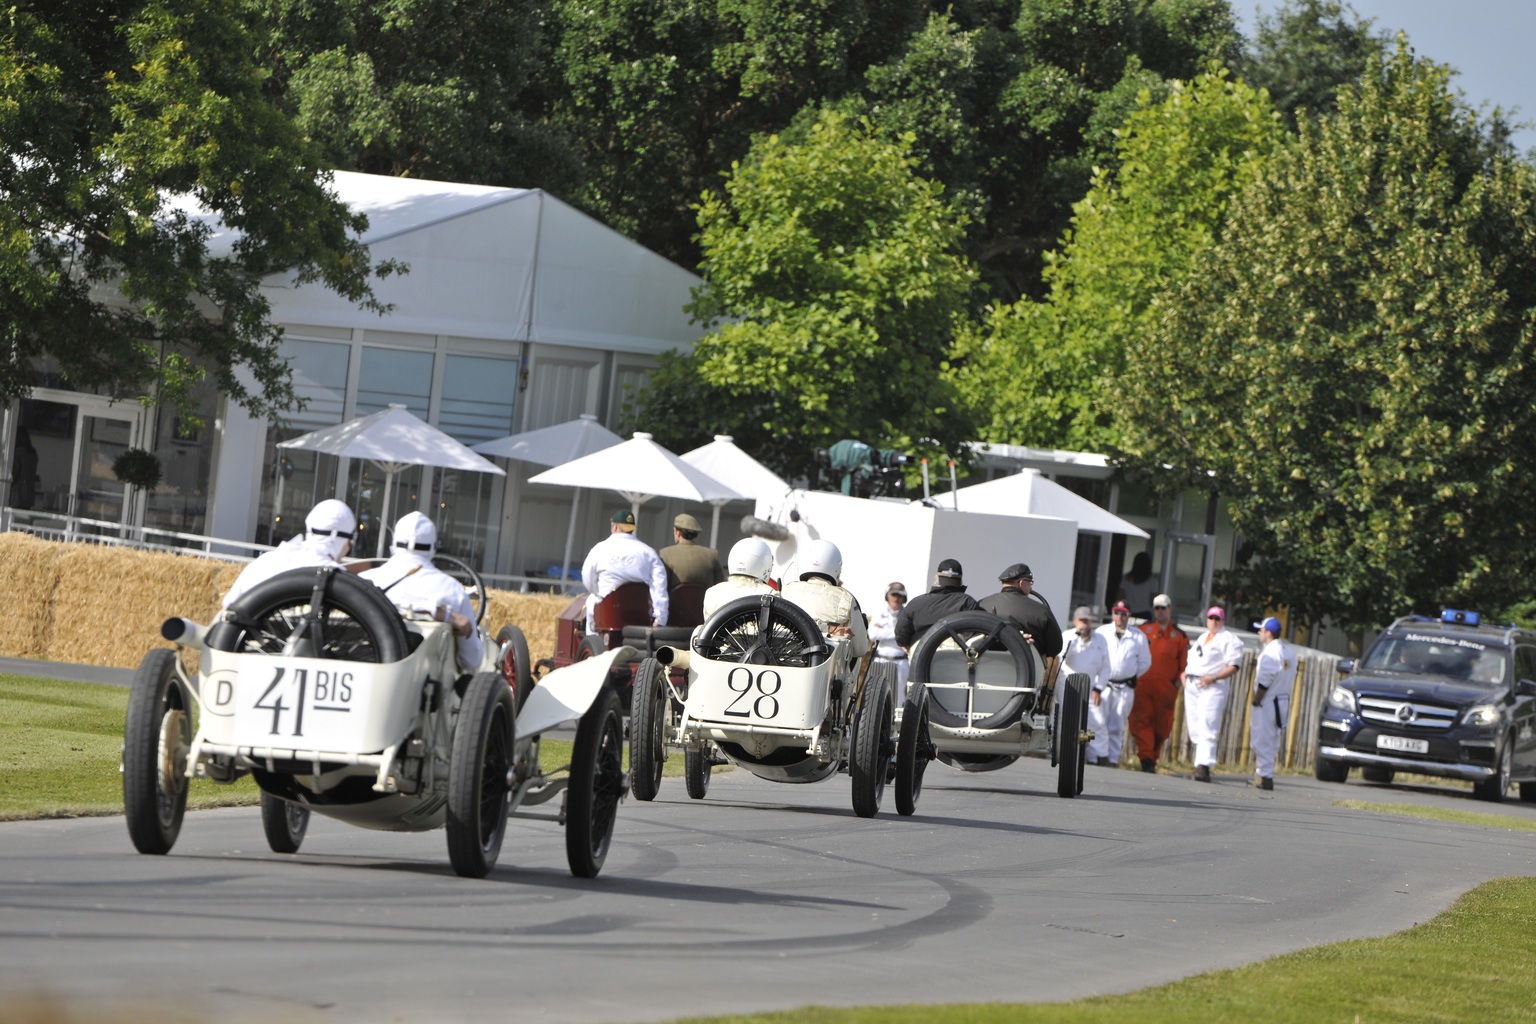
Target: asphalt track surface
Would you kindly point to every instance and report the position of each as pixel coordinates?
(761, 897)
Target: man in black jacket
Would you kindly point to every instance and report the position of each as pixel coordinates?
(947, 597)
(1018, 603)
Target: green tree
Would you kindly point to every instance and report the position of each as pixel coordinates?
(113, 115)
(1352, 362)
(449, 89)
(834, 281)
(1047, 372)
(1302, 53)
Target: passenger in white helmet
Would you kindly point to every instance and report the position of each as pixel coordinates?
(326, 539)
(820, 593)
(749, 564)
(414, 585)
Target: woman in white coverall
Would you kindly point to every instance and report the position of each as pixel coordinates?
(1213, 661)
(1272, 684)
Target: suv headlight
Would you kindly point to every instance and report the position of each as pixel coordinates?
(1343, 698)
(1483, 715)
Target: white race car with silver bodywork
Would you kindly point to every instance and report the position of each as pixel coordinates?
(774, 696)
(983, 694)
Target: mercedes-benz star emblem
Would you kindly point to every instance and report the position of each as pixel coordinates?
(1405, 713)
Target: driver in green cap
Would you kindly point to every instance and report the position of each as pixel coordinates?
(621, 558)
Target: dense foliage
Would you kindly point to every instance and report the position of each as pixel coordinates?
(1352, 361)
(113, 116)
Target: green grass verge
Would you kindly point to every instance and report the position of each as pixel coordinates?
(61, 744)
(1469, 965)
(1457, 816)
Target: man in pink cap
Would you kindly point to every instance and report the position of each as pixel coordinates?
(1213, 661)
(1129, 657)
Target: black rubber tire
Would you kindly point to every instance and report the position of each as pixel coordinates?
(1082, 753)
(1326, 769)
(913, 752)
(284, 822)
(1528, 792)
(696, 771)
(516, 666)
(1378, 774)
(157, 738)
(762, 630)
(871, 751)
(591, 646)
(477, 775)
(1494, 790)
(647, 729)
(976, 632)
(359, 622)
(597, 785)
(1070, 754)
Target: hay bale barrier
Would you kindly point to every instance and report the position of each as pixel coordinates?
(96, 605)
(29, 583)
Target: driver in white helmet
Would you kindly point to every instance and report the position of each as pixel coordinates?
(820, 593)
(749, 564)
(326, 539)
(413, 584)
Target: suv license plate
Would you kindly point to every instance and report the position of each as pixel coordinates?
(1403, 743)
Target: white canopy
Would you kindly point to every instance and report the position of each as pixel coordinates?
(736, 469)
(640, 469)
(392, 439)
(556, 445)
(1029, 492)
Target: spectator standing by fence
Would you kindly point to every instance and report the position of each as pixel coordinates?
(1157, 690)
(1273, 679)
(882, 632)
(1085, 652)
(1213, 661)
(1129, 657)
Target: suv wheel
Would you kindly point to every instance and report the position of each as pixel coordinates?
(1496, 788)
(1329, 770)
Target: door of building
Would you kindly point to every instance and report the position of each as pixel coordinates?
(75, 438)
(1187, 564)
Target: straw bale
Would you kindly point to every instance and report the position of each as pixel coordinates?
(114, 599)
(535, 614)
(29, 578)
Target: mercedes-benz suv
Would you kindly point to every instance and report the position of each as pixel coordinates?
(1451, 697)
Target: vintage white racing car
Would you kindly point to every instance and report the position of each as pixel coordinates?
(985, 697)
(776, 698)
(313, 683)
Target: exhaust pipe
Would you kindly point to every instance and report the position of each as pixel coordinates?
(672, 657)
(184, 632)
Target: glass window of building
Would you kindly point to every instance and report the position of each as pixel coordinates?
(292, 481)
(478, 403)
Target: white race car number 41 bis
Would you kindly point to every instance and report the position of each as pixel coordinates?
(299, 703)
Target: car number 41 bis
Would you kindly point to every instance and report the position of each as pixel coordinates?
(294, 692)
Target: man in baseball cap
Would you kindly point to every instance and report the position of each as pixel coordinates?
(1129, 657)
(1018, 603)
(688, 562)
(621, 558)
(1273, 678)
(947, 597)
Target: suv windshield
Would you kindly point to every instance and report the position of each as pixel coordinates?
(1428, 655)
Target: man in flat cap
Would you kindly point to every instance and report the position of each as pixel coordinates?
(947, 597)
(621, 558)
(688, 562)
(1018, 603)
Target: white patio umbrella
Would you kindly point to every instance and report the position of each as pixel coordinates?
(736, 469)
(640, 469)
(553, 446)
(392, 439)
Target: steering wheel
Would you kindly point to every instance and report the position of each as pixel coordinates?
(459, 570)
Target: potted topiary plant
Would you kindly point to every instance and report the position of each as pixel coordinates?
(137, 468)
